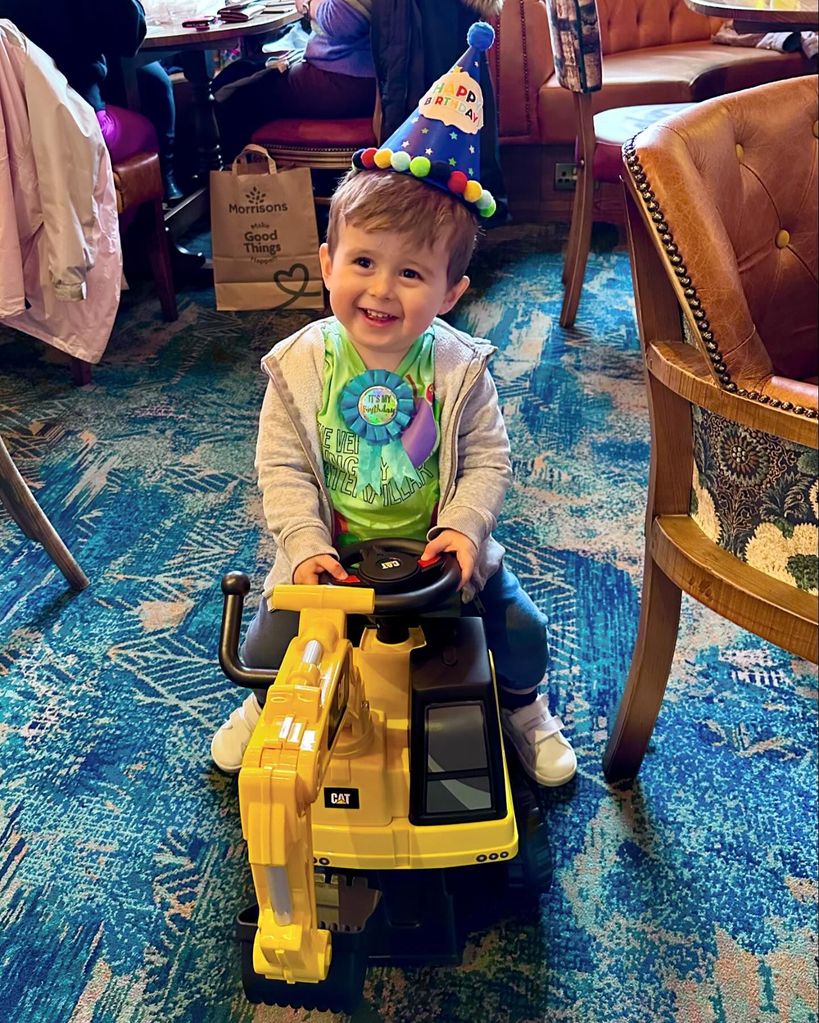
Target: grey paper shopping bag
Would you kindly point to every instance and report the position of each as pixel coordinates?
(265, 239)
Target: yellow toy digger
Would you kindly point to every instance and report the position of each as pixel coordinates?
(374, 793)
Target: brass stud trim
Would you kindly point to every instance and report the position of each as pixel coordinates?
(690, 296)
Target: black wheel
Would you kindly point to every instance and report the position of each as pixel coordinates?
(531, 870)
(339, 992)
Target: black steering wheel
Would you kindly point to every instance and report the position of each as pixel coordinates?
(402, 582)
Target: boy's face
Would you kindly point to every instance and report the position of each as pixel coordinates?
(386, 291)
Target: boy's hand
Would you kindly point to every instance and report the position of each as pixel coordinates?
(309, 572)
(460, 545)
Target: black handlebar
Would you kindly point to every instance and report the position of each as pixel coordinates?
(236, 586)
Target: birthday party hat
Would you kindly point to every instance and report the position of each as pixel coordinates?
(440, 142)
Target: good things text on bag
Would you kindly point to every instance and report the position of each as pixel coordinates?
(265, 240)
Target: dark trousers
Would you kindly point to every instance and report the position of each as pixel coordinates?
(515, 631)
(303, 91)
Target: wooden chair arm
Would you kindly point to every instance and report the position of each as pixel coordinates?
(685, 371)
(733, 588)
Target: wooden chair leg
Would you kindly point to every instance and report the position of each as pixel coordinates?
(577, 252)
(576, 271)
(669, 493)
(160, 256)
(571, 241)
(650, 666)
(28, 515)
(80, 371)
(571, 244)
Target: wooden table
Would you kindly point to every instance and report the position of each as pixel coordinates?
(190, 48)
(763, 15)
(220, 35)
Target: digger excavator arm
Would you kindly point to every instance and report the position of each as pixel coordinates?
(282, 773)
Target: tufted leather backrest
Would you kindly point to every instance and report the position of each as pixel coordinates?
(734, 181)
(638, 24)
(520, 61)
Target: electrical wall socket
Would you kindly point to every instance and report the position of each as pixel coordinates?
(565, 177)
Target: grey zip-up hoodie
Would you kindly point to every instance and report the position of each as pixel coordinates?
(473, 459)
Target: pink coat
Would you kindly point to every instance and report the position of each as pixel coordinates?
(60, 254)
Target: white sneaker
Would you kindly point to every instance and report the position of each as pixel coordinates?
(544, 753)
(230, 742)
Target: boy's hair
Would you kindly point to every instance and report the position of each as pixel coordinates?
(388, 201)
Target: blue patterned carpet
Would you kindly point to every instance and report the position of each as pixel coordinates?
(690, 898)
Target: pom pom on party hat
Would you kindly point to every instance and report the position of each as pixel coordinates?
(440, 142)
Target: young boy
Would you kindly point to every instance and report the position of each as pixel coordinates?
(383, 421)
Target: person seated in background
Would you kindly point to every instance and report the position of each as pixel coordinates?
(81, 38)
(336, 78)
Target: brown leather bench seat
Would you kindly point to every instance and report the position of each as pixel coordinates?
(681, 73)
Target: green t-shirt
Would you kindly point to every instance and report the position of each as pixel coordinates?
(382, 476)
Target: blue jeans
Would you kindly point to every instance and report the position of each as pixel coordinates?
(156, 93)
(515, 633)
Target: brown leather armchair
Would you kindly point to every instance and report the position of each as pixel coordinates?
(722, 212)
(138, 182)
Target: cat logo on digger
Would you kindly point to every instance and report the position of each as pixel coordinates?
(341, 799)
(392, 563)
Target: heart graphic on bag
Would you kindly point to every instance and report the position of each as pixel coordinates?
(294, 282)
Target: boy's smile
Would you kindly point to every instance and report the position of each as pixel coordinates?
(374, 316)
(386, 291)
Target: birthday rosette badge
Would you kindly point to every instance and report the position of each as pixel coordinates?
(377, 405)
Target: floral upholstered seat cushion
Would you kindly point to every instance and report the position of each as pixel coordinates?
(757, 497)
